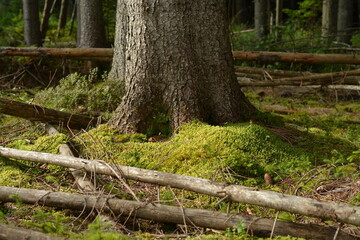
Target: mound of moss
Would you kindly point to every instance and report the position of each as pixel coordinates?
(225, 153)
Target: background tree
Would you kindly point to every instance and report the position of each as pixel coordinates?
(91, 29)
(62, 16)
(344, 21)
(177, 65)
(45, 17)
(261, 18)
(329, 19)
(31, 22)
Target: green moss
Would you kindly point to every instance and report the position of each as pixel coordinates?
(84, 93)
(198, 149)
(12, 176)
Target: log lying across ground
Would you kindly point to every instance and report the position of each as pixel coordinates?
(283, 202)
(170, 214)
(270, 57)
(75, 53)
(37, 113)
(15, 233)
(106, 54)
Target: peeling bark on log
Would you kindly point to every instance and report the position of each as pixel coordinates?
(283, 202)
(106, 54)
(37, 113)
(15, 233)
(170, 214)
(297, 57)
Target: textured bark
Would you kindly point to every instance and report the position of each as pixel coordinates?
(31, 22)
(261, 18)
(236, 193)
(329, 18)
(344, 21)
(178, 63)
(91, 23)
(170, 214)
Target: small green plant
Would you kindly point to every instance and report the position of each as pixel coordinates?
(239, 229)
(48, 222)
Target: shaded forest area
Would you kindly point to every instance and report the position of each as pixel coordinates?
(289, 170)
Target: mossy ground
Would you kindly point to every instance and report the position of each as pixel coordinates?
(302, 153)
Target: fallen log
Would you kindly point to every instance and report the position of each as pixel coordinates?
(37, 113)
(170, 214)
(276, 73)
(270, 57)
(106, 54)
(15, 233)
(283, 202)
(75, 53)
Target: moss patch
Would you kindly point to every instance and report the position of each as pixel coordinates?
(227, 153)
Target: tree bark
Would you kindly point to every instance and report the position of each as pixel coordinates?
(174, 70)
(91, 24)
(15, 233)
(45, 18)
(37, 113)
(344, 21)
(31, 22)
(261, 18)
(163, 213)
(283, 202)
(329, 19)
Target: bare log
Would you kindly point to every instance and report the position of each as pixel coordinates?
(170, 214)
(344, 77)
(15, 233)
(270, 57)
(37, 113)
(276, 73)
(106, 54)
(283, 202)
(75, 53)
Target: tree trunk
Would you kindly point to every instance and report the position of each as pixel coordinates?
(329, 19)
(62, 16)
(45, 18)
(174, 70)
(31, 22)
(91, 23)
(344, 21)
(261, 18)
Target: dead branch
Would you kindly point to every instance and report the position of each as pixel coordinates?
(296, 57)
(15, 233)
(170, 214)
(37, 113)
(75, 53)
(81, 178)
(276, 73)
(106, 54)
(283, 202)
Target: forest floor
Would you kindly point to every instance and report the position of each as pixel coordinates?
(308, 142)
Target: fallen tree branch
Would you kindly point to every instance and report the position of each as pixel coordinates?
(270, 57)
(81, 178)
(15, 233)
(75, 53)
(295, 204)
(276, 73)
(170, 214)
(37, 113)
(106, 54)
